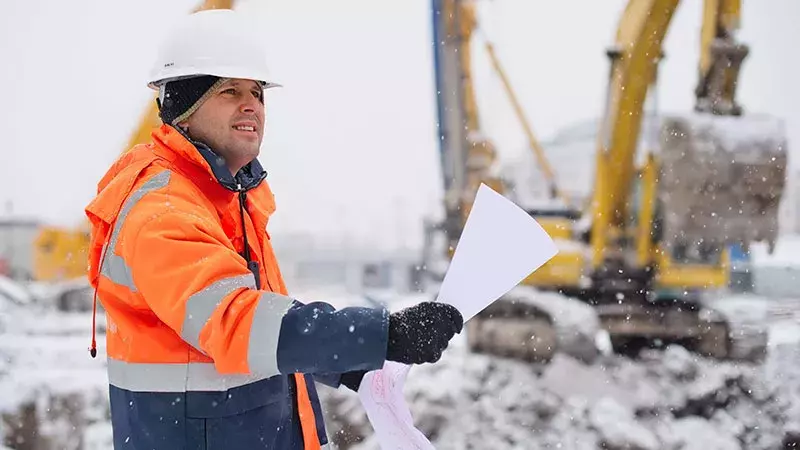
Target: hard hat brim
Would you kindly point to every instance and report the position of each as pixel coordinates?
(233, 73)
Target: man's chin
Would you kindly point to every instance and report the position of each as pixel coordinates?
(248, 153)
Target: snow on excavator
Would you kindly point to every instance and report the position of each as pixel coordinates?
(653, 241)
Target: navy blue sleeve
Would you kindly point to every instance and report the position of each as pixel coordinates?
(329, 379)
(318, 339)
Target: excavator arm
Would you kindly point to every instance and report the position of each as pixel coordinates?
(721, 58)
(634, 60)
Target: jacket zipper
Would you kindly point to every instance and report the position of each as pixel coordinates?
(252, 265)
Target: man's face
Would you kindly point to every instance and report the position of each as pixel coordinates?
(231, 122)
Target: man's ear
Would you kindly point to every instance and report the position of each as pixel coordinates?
(184, 125)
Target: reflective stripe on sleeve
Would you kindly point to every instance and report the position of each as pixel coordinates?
(114, 267)
(178, 377)
(262, 353)
(200, 306)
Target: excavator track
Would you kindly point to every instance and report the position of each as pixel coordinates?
(532, 325)
(634, 326)
(515, 330)
(702, 330)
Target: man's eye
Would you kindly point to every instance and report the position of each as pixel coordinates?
(229, 91)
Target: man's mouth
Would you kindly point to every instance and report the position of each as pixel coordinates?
(244, 128)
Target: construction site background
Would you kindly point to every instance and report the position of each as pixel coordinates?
(364, 116)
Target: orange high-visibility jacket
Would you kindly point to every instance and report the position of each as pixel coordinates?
(204, 345)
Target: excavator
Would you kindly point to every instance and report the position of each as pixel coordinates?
(60, 254)
(650, 245)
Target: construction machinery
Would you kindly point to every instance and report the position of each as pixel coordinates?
(60, 254)
(651, 243)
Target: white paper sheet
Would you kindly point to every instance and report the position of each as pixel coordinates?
(500, 245)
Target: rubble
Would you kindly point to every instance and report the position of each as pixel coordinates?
(53, 396)
(618, 429)
(669, 399)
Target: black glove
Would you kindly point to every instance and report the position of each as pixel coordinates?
(352, 380)
(420, 334)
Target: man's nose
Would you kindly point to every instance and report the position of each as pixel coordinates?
(250, 105)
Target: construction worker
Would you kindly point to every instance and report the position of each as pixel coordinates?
(205, 348)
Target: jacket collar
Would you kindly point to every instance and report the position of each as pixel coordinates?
(199, 154)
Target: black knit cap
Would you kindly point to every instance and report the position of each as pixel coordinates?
(180, 98)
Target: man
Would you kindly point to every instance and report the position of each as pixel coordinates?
(205, 348)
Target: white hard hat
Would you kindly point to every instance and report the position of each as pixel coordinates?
(217, 42)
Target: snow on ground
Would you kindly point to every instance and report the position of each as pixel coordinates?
(666, 400)
(13, 293)
(51, 390)
(669, 400)
(53, 395)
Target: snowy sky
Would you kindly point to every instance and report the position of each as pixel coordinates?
(351, 140)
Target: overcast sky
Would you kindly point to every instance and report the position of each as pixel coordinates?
(351, 139)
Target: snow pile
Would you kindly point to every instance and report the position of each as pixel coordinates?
(578, 327)
(777, 274)
(12, 292)
(785, 254)
(53, 395)
(665, 400)
(786, 373)
(747, 316)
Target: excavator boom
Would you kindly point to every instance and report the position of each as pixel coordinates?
(634, 60)
(721, 58)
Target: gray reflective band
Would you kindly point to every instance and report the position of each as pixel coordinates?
(262, 352)
(179, 377)
(200, 306)
(114, 267)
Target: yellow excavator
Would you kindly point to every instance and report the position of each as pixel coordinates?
(60, 254)
(653, 241)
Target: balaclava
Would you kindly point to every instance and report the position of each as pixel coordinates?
(179, 99)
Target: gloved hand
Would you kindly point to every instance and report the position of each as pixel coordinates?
(420, 334)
